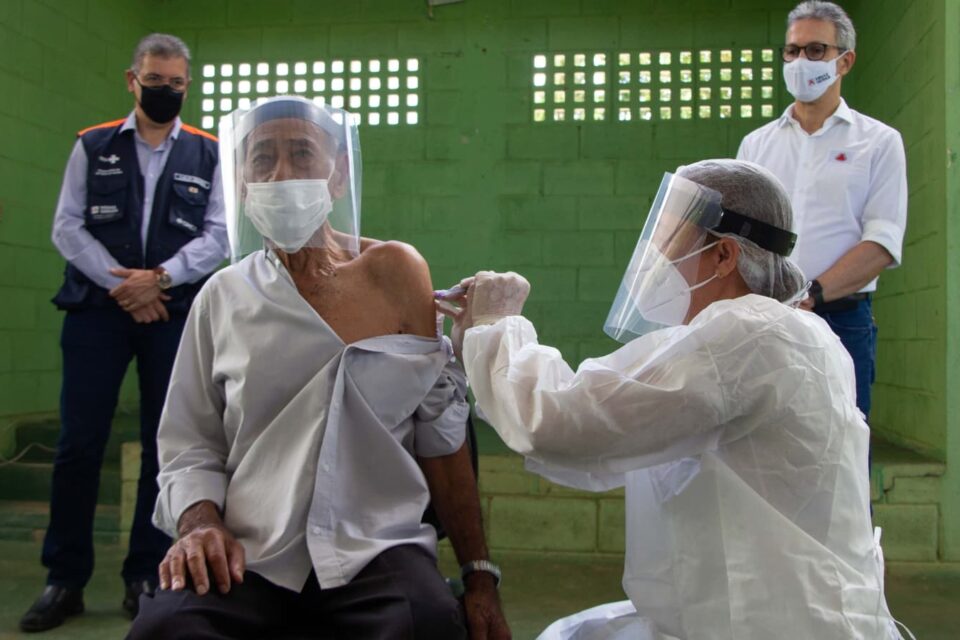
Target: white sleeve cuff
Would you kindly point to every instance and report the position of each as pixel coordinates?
(888, 235)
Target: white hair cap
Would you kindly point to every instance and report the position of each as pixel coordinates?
(753, 191)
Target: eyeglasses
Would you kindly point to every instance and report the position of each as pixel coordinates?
(155, 81)
(813, 51)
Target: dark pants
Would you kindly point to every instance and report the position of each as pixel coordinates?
(858, 333)
(98, 345)
(399, 595)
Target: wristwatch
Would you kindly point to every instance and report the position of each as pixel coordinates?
(816, 291)
(481, 565)
(164, 281)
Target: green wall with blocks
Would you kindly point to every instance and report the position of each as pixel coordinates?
(61, 67)
(476, 183)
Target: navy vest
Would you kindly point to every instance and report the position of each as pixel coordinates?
(113, 212)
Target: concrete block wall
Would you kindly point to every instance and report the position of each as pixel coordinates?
(61, 68)
(911, 302)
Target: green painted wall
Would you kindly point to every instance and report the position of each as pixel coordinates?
(908, 75)
(911, 305)
(61, 65)
(949, 26)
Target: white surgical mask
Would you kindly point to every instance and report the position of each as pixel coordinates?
(807, 80)
(288, 212)
(665, 294)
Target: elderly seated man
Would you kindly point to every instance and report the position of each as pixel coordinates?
(729, 415)
(313, 412)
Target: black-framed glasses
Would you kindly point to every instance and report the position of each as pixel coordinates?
(154, 81)
(813, 51)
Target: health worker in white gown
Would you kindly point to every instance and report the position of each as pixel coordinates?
(729, 415)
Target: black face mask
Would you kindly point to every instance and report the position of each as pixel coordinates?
(161, 104)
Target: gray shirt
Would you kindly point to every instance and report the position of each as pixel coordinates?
(193, 261)
(305, 443)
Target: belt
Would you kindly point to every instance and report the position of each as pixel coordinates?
(847, 303)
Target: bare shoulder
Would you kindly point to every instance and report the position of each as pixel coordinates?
(403, 275)
(397, 263)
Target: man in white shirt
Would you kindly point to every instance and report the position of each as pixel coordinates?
(846, 175)
(313, 413)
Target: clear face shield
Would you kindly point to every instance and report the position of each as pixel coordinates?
(291, 177)
(686, 219)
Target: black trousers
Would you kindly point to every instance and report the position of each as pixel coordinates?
(399, 595)
(98, 344)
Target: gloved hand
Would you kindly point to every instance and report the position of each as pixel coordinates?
(484, 299)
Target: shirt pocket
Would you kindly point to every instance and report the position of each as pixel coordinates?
(106, 200)
(188, 207)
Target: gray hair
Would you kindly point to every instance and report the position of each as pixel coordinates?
(162, 45)
(753, 191)
(828, 12)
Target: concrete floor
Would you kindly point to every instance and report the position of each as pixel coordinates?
(535, 592)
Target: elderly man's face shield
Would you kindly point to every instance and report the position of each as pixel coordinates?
(291, 173)
(684, 222)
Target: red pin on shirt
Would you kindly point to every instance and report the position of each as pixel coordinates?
(842, 157)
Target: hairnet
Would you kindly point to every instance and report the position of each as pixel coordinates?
(755, 192)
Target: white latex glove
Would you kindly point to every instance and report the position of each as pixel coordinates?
(483, 299)
(496, 295)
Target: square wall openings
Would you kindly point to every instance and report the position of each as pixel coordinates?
(653, 85)
(376, 91)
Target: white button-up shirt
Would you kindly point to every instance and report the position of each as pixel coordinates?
(847, 183)
(305, 443)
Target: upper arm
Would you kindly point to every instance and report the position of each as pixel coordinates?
(73, 189)
(404, 276)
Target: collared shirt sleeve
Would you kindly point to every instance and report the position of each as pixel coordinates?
(202, 255)
(70, 237)
(885, 212)
(440, 422)
(745, 152)
(191, 442)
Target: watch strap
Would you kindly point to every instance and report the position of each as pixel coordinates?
(481, 565)
(816, 291)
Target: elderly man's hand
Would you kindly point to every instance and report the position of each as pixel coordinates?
(481, 602)
(138, 289)
(203, 541)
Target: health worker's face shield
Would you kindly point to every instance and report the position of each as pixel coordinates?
(685, 221)
(291, 176)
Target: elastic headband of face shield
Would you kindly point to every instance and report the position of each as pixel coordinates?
(709, 213)
(766, 236)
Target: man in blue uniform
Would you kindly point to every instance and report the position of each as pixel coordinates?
(140, 223)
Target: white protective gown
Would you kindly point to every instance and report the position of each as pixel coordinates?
(745, 464)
